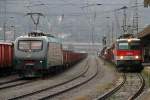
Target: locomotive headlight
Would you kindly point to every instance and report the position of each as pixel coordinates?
(121, 57)
(30, 50)
(129, 40)
(137, 57)
(41, 61)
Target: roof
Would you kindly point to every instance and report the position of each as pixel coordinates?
(135, 39)
(50, 38)
(145, 32)
(126, 35)
(7, 43)
(54, 39)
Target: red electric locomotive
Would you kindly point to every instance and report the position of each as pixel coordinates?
(128, 54)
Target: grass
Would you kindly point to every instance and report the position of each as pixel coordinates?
(109, 64)
(146, 74)
(82, 98)
(103, 87)
(100, 88)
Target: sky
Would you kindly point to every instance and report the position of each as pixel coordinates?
(72, 20)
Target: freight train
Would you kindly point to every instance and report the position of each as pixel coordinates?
(39, 53)
(6, 57)
(125, 53)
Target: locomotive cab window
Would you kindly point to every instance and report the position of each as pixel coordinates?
(134, 46)
(123, 46)
(36, 45)
(26, 45)
(128, 46)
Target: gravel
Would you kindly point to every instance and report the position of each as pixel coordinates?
(43, 83)
(102, 82)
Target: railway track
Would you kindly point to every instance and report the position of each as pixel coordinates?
(131, 87)
(9, 79)
(14, 83)
(57, 89)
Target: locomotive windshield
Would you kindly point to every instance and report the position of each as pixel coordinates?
(30, 45)
(134, 45)
(123, 46)
(129, 45)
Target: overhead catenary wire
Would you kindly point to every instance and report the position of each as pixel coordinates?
(88, 11)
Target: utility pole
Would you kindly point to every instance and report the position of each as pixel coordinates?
(14, 31)
(112, 30)
(4, 24)
(93, 27)
(108, 32)
(135, 18)
(118, 28)
(125, 19)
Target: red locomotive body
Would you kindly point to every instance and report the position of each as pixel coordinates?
(128, 54)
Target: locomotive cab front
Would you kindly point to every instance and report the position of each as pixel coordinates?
(30, 54)
(129, 53)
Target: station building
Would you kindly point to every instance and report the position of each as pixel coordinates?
(145, 38)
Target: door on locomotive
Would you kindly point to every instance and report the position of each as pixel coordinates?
(128, 54)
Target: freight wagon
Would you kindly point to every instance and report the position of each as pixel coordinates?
(6, 57)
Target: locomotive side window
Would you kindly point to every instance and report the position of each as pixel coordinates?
(27, 45)
(123, 46)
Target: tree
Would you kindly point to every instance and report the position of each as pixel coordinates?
(146, 3)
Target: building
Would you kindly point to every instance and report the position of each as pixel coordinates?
(145, 37)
